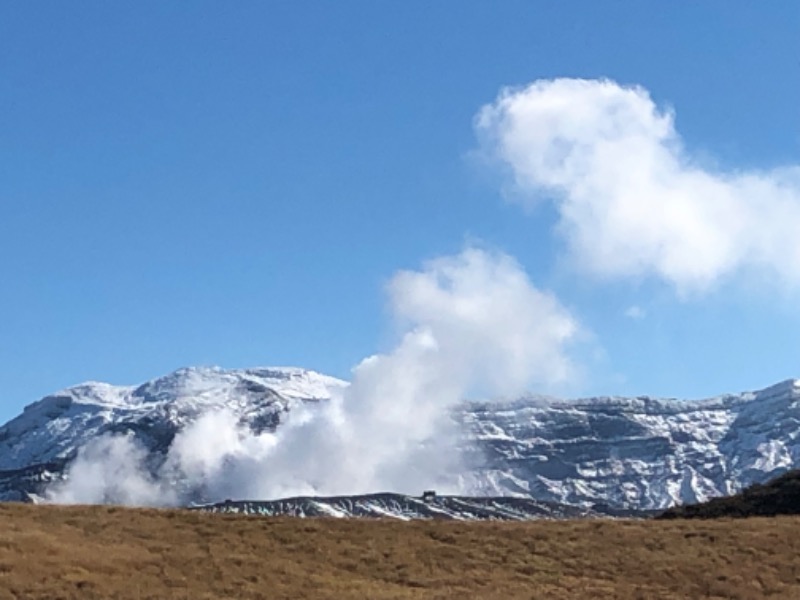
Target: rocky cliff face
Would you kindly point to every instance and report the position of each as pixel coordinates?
(636, 452)
(629, 453)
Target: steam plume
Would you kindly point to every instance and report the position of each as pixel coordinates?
(471, 323)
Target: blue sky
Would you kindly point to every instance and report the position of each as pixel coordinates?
(235, 183)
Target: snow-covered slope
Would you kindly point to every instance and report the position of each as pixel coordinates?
(402, 507)
(53, 428)
(36, 445)
(639, 453)
(636, 452)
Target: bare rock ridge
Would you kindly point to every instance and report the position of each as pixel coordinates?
(400, 506)
(621, 453)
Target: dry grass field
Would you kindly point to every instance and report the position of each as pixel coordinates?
(105, 552)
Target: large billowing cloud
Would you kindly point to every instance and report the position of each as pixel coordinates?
(472, 322)
(632, 201)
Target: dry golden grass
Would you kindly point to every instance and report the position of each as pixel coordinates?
(105, 552)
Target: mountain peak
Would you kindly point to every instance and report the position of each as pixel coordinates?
(782, 387)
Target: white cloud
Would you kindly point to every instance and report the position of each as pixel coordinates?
(488, 319)
(471, 322)
(474, 322)
(112, 469)
(632, 202)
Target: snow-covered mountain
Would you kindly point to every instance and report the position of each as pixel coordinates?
(37, 446)
(52, 429)
(635, 453)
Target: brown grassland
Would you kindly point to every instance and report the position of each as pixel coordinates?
(107, 552)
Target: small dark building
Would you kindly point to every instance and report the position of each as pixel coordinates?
(428, 496)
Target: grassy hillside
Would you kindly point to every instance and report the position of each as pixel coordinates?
(104, 552)
(781, 496)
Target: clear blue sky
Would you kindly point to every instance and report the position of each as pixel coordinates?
(232, 183)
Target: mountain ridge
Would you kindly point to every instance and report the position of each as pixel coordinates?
(404, 507)
(639, 453)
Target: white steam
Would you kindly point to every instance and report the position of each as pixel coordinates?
(631, 200)
(472, 323)
(112, 469)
